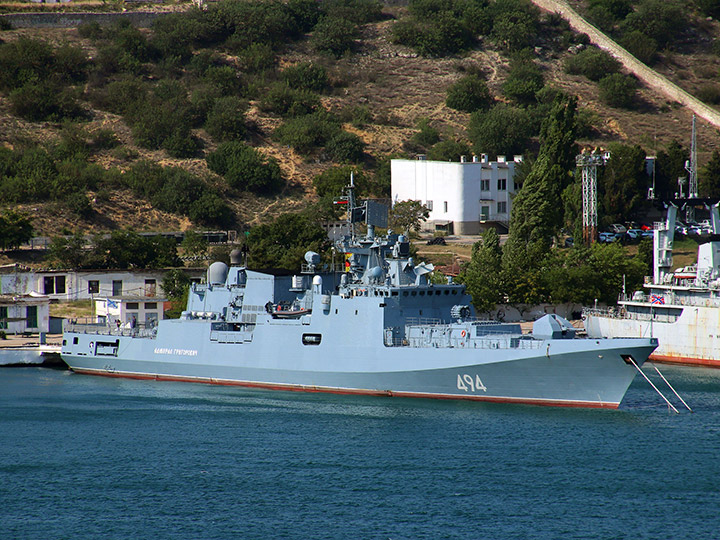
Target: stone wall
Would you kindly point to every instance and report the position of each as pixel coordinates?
(73, 20)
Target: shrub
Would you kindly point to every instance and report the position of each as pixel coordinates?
(427, 136)
(524, 81)
(224, 80)
(345, 147)
(330, 183)
(226, 120)
(181, 143)
(469, 94)
(90, 30)
(285, 101)
(617, 90)
(245, 168)
(640, 46)
(307, 132)
(362, 11)
(122, 96)
(257, 57)
(709, 93)
(592, 63)
(45, 101)
(441, 36)
(334, 36)
(306, 76)
(78, 204)
(210, 209)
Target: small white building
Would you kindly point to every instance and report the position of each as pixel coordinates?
(69, 285)
(129, 311)
(23, 314)
(465, 197)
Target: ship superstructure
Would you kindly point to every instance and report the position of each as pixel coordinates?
(375, 326)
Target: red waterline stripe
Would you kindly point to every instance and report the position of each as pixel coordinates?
(685, 360)
(353, 391)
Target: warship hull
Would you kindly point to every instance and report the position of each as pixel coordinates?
(691, 338)
(571, 373)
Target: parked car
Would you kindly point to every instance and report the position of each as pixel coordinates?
(618, 228)
(569, 241)
(607, 237)
(633, 234)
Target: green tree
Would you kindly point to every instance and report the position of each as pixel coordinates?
(535, 216)
(662, 20)
(194, 244)
(330, 183)
(503, 130)
(407, 216)
(68, 251)
(710, 177)
(448, 151)
(669, 166)
(176, 286)
(15, 229)
(283, 243)
(623, 182)
(481, 275)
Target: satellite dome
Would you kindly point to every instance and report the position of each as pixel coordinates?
(235, 257)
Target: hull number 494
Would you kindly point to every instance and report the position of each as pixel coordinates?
(468, 383)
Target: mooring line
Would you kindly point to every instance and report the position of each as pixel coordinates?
(671, 388)
(651, 384)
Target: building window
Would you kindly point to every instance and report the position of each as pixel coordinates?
(54, 285)
(31, 317)
(502, 207)
(150, 305)
(502, 184)
(485, 184)
(117, 287)
(429, 205)
(484, 213)
(93, 287)
(445, 206)
(3, 317)
(150, 287)
(133, 305)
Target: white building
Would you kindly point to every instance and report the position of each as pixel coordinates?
(23, 314)
(465, 197)
(68, 285)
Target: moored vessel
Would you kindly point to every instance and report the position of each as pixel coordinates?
(375, 326)
(680, 308)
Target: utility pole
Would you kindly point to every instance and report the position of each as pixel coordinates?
(588, 162)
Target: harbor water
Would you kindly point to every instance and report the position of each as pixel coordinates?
(92, 457)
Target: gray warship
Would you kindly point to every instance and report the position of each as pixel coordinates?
(377, 326)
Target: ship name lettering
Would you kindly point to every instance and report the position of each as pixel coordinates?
(178, 352)
(467, 383)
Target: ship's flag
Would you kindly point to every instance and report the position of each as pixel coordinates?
(657, 299)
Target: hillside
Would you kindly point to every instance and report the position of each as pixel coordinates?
(398, 87)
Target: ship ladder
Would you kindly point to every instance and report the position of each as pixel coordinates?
(632, 361)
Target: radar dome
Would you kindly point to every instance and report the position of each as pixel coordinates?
(217, 273)
(235, 257)
(312, 258)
